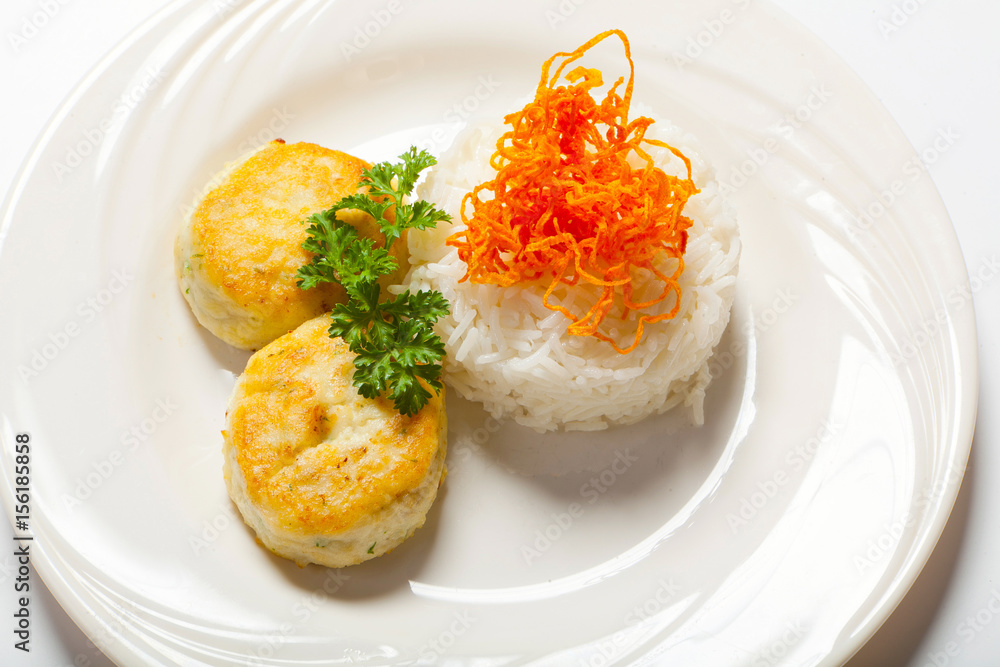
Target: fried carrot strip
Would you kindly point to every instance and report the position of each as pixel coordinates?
(567, 205)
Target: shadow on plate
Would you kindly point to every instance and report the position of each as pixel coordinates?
(228, 357)
(385, 575)
(656, 450)
(898, 640)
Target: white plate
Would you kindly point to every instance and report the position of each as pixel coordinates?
(783, 531)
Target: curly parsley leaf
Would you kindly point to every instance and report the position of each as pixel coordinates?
(393, 340)
(388, 184)
(340, 255)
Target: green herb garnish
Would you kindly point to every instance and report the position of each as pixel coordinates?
(394, 340)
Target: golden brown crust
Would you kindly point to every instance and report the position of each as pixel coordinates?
(317, 458)
(244, 243)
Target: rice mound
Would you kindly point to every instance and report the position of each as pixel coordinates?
(514, 355)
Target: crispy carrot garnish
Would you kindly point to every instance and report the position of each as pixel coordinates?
(566, 204)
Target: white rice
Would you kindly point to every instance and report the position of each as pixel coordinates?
(512, 354)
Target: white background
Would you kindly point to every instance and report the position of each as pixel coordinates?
(934, 64)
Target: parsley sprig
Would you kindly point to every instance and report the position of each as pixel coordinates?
(394, 340)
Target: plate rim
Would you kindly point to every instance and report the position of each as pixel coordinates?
(961, 445)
